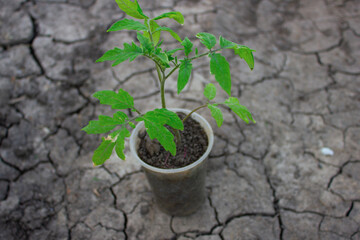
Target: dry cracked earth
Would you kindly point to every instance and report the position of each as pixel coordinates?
(269, 180)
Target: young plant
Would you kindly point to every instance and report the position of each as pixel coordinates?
(167, 62)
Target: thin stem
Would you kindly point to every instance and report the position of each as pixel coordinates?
(205, 105)
(156, 63)
(204, 54)
(162, 90)
(158, 72)
(137, 111)
(161, 77)
(177, 136)
(134, 118)
(172, 71)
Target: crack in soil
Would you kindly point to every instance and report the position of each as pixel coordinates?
(32, 51)
(275, 204)
(337, 174)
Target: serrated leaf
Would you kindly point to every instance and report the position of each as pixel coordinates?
(140, 10)
(164, 116)
(120, 116)
(210, 91)
(177, 16)
(155, 35)
(216, 114)
(120, 100)
(103, 152)
(172, 51)
(120, 55)
(105, 123)
(132, 125)
(187, 44)
(172, 33)
(240, 110)
(154, 123)
(162, 134)
(163, 58)
(111, 55)
(221, 69)
(184, 74)
(224, 43)
(120, 142)
(245, 53)
(161, 42)
(208, 39)
(145, 42)
(127, 24)
(131, 8)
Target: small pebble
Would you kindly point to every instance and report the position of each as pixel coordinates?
(327, 151)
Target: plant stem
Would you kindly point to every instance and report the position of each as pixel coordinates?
(158, 72)
(172, 71)
(137, 111)
(187, 116)
(193, 58)
(162, 90)
(177, 136)
(204, 54)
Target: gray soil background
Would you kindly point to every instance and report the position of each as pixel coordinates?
(269, 180)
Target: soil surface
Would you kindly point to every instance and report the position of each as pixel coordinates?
(193, 145)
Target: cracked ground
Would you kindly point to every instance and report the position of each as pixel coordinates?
(269, 180)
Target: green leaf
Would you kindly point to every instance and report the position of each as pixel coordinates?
(221, 69)
(187, 44)
(177, 16)
(146, 44)
(154, 123)
(131, 124)
(131, 8)
(120, 142)
(127, 24)
(155, 35)
(240, 110)
(184, 74)
(120, 100)
(130, 52)
(173, 34)
(245, 53)
(164, 116)
(140, 10)
(120, 116)
(216, 114)
(105, 123)
(207, 39)
(226, 43)
(103, 152)
(210, 91)
(163, 58)
(120, 55)
(111, 55)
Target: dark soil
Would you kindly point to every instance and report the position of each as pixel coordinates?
(193, 145)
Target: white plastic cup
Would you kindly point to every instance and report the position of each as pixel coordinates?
(179, 191)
